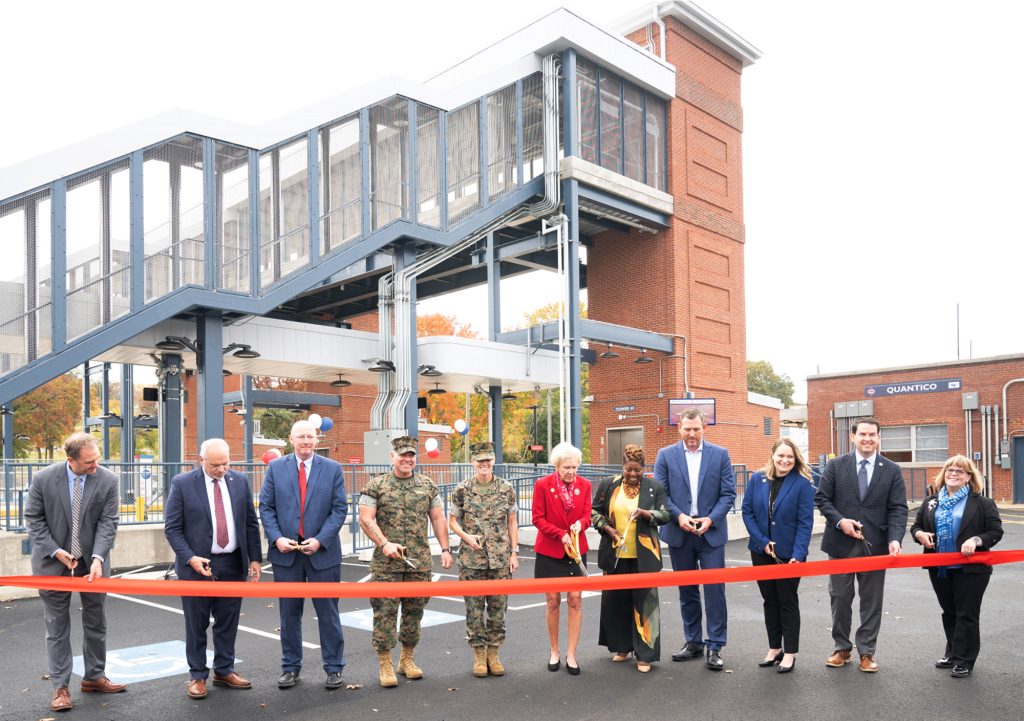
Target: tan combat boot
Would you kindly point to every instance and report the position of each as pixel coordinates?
(387, 670)
(480, 661)
(407, 666)
(493, 664)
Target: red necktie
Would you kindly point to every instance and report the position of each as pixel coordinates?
(302, 495)
(221, 517)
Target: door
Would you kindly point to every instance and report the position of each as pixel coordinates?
(619, 438)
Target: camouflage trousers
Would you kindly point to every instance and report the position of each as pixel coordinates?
(485, 615)
(385, 612)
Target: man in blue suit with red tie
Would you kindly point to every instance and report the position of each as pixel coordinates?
(210, 522)
(701, 488)
(303, 507)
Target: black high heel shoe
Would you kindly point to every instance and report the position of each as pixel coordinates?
(771, 662)
(787, 669)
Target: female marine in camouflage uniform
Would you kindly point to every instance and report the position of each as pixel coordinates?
(484, 515)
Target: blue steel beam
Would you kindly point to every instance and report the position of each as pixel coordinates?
(170, 409)
(497, 412)
(596, 331)
(281, 399)
(127, 414)
(570, 113)
(58, 278)
(254, 222)
(570, 200)
(210, 376)
(137, 233)
(209, 214)
(493, 290)
(247, 425)
(313, 170)
(624, 206)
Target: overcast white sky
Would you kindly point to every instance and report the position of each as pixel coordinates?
(883, 151)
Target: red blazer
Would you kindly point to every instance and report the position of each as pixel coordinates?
(552, 519)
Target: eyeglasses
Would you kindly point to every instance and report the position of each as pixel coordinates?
(956, 472)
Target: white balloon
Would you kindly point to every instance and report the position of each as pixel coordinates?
(430, 444)
(461, 427)
(316, 420)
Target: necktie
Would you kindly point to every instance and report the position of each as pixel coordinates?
(219, 515)
(862, 479)
(302, 496)
(76, 520)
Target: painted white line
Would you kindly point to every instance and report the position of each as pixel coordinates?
(132, 573)
(247, 629)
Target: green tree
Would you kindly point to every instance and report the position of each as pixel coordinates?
(762, 378)
(49, 414)
(277, 423)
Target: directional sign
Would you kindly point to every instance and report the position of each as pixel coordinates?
(145, 663)
(902, 388)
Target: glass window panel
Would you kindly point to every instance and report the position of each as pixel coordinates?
(533, 127)
(633, 132)
(120, 280)
(340, 186)
(463, 163)
(293, 196)
(270, 268)
(895, 438)
(656, 143)
(586, 103)
(13, 296)
(44, 292)
(389, 122)
(501, 141)
(234, 242)
(428, 172)
(611, 122)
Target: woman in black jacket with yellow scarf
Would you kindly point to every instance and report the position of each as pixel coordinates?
(627, 510)
(959, 519)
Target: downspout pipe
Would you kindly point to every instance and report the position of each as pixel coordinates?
(1006, 408)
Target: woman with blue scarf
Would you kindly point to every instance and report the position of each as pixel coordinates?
(957, 518)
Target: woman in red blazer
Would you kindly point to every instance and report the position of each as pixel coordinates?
(561, 505)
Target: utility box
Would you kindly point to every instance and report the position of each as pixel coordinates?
(377, 445)
(970, 401)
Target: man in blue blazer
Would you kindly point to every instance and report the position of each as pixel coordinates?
(864, 501)
(210, 522)
(303, 506)
(701, 489)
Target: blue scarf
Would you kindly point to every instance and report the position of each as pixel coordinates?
(946, 541)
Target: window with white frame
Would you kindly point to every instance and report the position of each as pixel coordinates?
(916, 444)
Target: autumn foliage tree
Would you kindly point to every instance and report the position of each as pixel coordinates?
(49, 414)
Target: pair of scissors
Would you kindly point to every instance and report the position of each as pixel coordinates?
(410, 564)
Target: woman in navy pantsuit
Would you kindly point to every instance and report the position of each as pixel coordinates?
(778, 511)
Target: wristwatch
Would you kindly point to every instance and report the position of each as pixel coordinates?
(446, 550)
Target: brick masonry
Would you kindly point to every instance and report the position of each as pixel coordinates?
(985, 376)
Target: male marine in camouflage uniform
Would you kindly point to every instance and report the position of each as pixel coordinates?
(392, 508)
(485, 516)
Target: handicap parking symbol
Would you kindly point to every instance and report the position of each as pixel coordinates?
(144, 663)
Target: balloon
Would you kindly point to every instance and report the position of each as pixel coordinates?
(433, 454)
(316, 420)
(430, 445)
(461, 427)
(270, 455)
(326, 424)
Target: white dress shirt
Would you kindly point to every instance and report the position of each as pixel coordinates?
(228, 515)
(693, 469)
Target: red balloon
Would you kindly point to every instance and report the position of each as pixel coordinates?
(433, 454)
(270, 455)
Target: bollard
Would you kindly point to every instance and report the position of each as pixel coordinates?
(140, 508)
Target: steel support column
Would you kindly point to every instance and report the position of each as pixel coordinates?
(59, 266)
(497, 410)
(570, 197)
(493, 290)
(210, 230)
(404, 257)
(210, 377)
(105, 410)
(247, 421)
(8, 431)
(127, 413)
(137, 233)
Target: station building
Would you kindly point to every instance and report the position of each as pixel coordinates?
(928, 413)
(299, 249)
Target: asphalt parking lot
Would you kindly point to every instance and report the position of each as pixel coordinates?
(145, 648)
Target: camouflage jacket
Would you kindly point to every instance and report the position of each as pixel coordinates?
(483, 509)
(403, 511)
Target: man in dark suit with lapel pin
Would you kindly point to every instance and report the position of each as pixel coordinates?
(701, 489)
(210, 523)
(303, 507)
(62, 547)
(864, 501)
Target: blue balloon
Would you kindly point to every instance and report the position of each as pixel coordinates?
(326, 424)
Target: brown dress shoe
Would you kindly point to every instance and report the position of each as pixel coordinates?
(232, 680)
(102, 685)
(868, 665)
(61, 699)
(838, 659)
(197, 688)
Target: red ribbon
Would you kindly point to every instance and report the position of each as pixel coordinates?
(129, 586)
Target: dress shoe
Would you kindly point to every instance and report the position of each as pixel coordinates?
(867, 664)
(573, 670)
(838, 659)
(945, 662)
(61, 699)
(333, 680)
(232, 680)
(643, 667)
(102, 685)
(960, 671)
(690, 650)
(197, 688)
(554, 665)
(620, 657)
(288, 679)
(786, 669)
(715, 662)
(771, 661)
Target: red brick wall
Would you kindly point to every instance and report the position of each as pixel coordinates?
(985, 377)
(689, 279)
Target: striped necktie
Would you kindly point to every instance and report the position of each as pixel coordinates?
(76, 518)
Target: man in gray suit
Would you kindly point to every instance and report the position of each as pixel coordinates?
(864, 501)
(71, 514)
